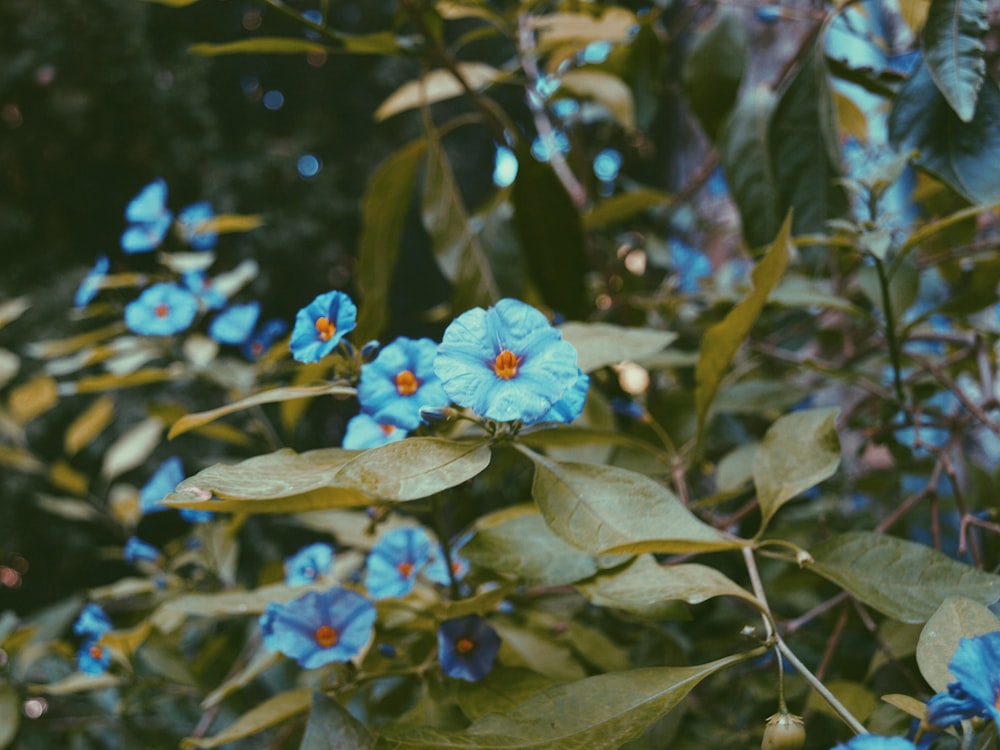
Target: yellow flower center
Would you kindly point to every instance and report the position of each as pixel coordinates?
(505, 365)
(325, 329)
(406, 383)
(326, 636)
(464, 646)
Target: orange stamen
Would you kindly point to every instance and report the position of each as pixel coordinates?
(326, 636)
(161, 310)
(464, 646)
(506, 363)
(96, 651)
(405, 569)
(325, 329)
(406, 383)
(387, 429)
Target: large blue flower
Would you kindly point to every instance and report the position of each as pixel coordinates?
(91, 283)
(976, 691)
(363, 431)
(401, 380)
(874, 742)
(161, 310)
(319, 627)
(467, 647)
(165, 479)
(92, 621)
(395, 560)
(506, 363)
(192, 222)
(149, 219)
(309, 563)
(320, 326)
(92, 658)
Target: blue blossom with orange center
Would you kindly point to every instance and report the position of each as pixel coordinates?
(165, 479)
(92, 621)
(976, 690)
(193, 225)
(149, 219)
(309, 563)
(321, 325)
(506, 363)
(399, 381)
(162, 309)
(92, 657)
(319, 627)
(257, 345)
(364, 431)
(91, 283)
(395, 561)
(875, 742)
(467, 647)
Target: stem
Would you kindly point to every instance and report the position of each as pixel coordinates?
(772, 633)
(890, 330)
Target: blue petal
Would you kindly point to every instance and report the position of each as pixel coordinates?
(235, 324)
(473, 665)
(161, 310)
(363, 432)
(91, 283)
(150, 204)
(92, 621)
(309, 563)
(976, 666)
(257, 345)
(164, 481)
(410, 546)
(189, 220)
(136, 549)
(873, 742)
(570, 406)
(141, 238)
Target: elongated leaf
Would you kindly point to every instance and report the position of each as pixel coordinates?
(601, 344)
(952, 41)
(261, 45)
(597, 713)
(78, 682)
(89, 425)
(459, 253)
(111, 381)
(604, 509)
(193, 421)
(259, 663)
(10, 715)
(722, 340)
(501, 690)
(959, 153)
(649, 589)
(267, 714)
(606, 89)
(229, 223)
(517, 541)
(625, 206)
(955, 619)
(713, 70)
(12, 309)
(903, 580)
(174, 3)
(614, 25)
(32, 399)
(383, 213)
(331, 727)
(289, 482)
(132, 448)
(798, 452)
(436, 86)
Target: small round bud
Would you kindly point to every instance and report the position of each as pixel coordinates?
(784, 731)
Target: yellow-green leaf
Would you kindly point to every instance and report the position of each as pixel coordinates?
(89, 425)
(605, 89)
(32, 399)
(436, 86)
(265, 45)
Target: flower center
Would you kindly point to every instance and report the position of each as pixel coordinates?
(505, 365)
(325, 329)
(387, 429)
(161, 310)
(464, 646)
(406, 383)
(256, 348)
(326, 636)
(309, 572)
(405, 569)
(96, 651)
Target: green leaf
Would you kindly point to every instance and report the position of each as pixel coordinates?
(272, 711)
(600, 344)
(608, 90)
(604, 509)
(383, 214)
(962, 154)
(722, 340)
(903, 580)
(854, 696)
(745, 154)
(597, 713)
(501, 690)
(517, 541)
(622, 207)
(952, 41)
(331, 727)
(804, 148)
(261, 45)
(436, 86)
(551, 234)
(78, 682)
(955, 619)
(174, 3)
(798, 452)
(289, 482)
(753, 396)
(10, 715)
(459, 253)
(648, 589)
(714, 70)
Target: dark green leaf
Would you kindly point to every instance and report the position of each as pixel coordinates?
(961, 154)
(714, 69)
(10, 715)
(955, 619)
(501, 690)
(331, 727)
(952, 42)
(903, 580)
(383, 213)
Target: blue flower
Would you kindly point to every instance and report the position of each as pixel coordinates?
(164, 481)
(92, 622)
(437, 568)
(190, 223)
(320, 326)
(874, 742)
(235, 324)
(395, 560)
(201, 286)
(319, 627)
(91, 283)
(363, 432)
(196, 516)
(976, 691)
(161, 310)
(136, 549)
(92, 658)
(309, 563)
(690, 264)
(505, 363)
(149, 219)
(399, 381)
(467, 647)
(261, 340)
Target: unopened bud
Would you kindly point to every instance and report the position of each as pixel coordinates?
(784, 731)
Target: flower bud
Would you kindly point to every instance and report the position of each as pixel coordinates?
(784, 731)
